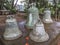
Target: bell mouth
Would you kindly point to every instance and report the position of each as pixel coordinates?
(12, 38)
(40, 38)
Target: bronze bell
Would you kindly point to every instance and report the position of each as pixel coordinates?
(38, 34)
(47, 16)
(51, 2)
(12, 31)
(33, 16)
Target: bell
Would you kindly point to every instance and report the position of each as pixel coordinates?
(38, 34)
(57, 1)
(12, 31)
(19, 5)
(22, 6)
(51, 2)
(33, 16)
(47, 16)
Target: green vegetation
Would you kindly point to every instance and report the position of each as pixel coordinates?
(5, 4)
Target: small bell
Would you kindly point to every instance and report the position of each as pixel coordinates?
(57, 1)
(19, 5)
(38, 34)
(12, 31)
(51, 2)
(47, 16)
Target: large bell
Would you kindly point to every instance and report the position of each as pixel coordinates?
(38, 34)
(47, 16)
(12, 31)
(33, 16)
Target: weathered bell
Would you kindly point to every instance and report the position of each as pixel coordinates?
(22, 6)
(38, 34)
(33, 16)
(19, 5)
(51, 2)
(12, 31)
(47, 16)
(57, 1)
